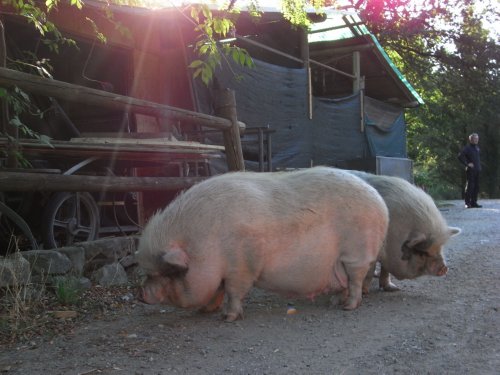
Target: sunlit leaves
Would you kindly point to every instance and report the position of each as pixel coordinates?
(295, 12)
(77, 3)
(211, 47)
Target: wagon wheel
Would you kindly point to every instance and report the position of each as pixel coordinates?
(69, 218)
(8, 216)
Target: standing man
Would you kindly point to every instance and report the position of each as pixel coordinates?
(469, 156)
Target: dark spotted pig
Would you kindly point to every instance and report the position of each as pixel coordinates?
(417, 231)
(298, 233)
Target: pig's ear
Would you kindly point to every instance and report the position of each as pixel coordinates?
(173, 262)
(454, 231)
(416, 244)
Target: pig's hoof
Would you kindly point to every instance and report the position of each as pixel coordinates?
(231, 317)
(390, 288)
(351, 305)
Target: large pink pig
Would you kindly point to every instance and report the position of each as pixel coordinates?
(298, 233)
(417, 231)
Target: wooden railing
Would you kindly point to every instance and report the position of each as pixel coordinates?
(225, 107)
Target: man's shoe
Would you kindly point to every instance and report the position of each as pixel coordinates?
(476, 206)
(468, 206)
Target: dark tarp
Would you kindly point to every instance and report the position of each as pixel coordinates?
(276, 97)
(385, 129)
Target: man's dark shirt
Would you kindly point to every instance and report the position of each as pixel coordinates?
(470, 154)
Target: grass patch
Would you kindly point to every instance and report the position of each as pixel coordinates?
(68, 290)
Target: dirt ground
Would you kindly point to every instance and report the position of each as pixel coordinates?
(447, 325)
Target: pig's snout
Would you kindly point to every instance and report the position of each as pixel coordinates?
(442, 271)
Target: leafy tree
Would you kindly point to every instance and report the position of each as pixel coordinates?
(445, 48)
(450, 54)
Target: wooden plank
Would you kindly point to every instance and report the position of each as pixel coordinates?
(149, 153)
(165, 142)
(17, 181)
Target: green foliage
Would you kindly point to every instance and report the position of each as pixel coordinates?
(429, 180)
(38, 17)
(68, 290)
(209, 47)
(19, 103)
(452, 57)
(214, 28)
(295, 12)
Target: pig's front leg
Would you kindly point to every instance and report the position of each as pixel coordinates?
(235, 291)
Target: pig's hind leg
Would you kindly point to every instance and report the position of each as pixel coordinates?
(355, 275)
(368, 279)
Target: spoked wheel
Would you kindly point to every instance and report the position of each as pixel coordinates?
(10, 224)
(69, 218)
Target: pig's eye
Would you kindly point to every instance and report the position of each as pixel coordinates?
(419, 249)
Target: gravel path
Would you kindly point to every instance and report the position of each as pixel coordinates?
(440, 326)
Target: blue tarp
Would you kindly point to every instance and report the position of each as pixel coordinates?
(276, 97)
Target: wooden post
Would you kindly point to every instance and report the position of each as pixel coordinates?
(12, 147)
(356, 70)
(225, 106)
(362, 104)
(260, 139)
(3, 62)
(304, 54)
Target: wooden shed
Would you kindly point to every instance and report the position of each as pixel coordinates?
(309, 100)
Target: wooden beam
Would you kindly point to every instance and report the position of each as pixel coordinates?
(293, 58)
(12, 148)
(267, 48)
(80, 94)
(333, 52)
(19, 181)
(327, 67)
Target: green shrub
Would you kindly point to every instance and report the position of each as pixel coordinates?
(435, 186)
(68, 290)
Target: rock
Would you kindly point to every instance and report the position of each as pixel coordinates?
(107, 250)
(110, 274)
(77, 256)
(14, 270)
(128, 261)
(81, 283)
(47, 262)
(85, 283)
